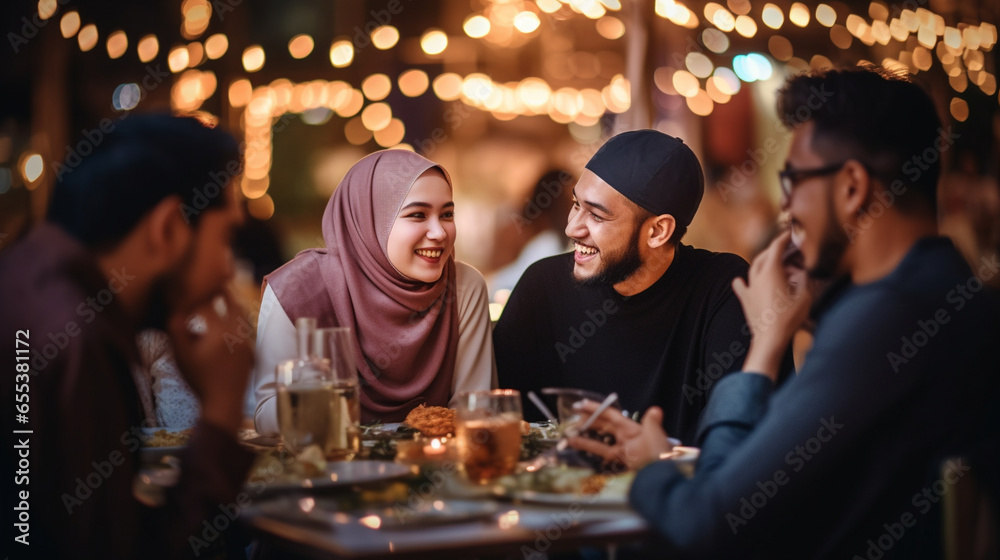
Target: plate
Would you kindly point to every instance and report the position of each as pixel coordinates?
(156, 454)
(401, 517)
(562, 499)
(344, 473)
(561, 485)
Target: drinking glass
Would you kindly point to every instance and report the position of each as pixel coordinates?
(488, 433)
(318, 398)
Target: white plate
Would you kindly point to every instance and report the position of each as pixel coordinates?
(344, 473)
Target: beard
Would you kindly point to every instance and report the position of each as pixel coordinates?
(832, 246)
(618, 266)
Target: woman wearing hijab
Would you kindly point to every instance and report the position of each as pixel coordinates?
(420, 319)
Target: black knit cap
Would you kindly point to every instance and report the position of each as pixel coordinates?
(654, 170)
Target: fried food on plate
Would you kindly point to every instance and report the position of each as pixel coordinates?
(432, 421)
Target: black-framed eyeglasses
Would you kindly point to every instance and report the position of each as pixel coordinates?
(789, 177)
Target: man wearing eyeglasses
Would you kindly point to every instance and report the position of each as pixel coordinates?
(847, 459)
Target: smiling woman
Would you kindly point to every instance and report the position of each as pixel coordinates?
(420, 318)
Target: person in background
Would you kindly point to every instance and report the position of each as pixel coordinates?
(419, 317)
(632, 310)
(137, 235)
(540, 226)
(847, 459)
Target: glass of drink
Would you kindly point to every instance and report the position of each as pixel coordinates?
(488, 433)
(570, 417)
(318, 397)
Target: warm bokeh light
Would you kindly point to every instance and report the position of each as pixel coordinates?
(700, 103)
(434, 41)
(253, 58)
(69, 24)
(148, 48)
(448, 86)
(216, 46)
(878, 12)
(117, 44)
(826, 15)
(534, 93)
(255, 188)
(780, 48)
(926, 37)
(952, 37)
(959, 109)
(526, 22)
(715, 40)
(356, 133)
(47, 8)
(772, 16)
(32, 168)
(726, 81)
(476, 26)
(197, 15)
(391, 135)
(376, 87)
(699, 64)
(178, 59)
(300, 46)
(239, 92)
(196, 54)
(685, 83)
(746, 26)
(922, 58)
(87, 37)
(413, 83)
(721, 17)
(799, 14)
(548, 6)
(261, 208)
(385, 37)
(841, 37)
(341, 53)
(610, 27)
(820, 62)
(352, 105)
(376, 116)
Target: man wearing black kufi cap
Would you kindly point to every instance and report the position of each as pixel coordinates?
(631, 310)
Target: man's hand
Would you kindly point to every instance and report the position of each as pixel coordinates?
(636, 445)
(776, 302)
(216, 370)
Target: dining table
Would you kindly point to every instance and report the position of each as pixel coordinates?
(369, 508)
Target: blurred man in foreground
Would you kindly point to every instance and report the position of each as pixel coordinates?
(137, 235)
(846, 460)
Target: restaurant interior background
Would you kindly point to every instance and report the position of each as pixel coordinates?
(498, 91)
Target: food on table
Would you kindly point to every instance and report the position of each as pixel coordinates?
(432, 421)
(570, 480)
(281, 466)
(166, 438)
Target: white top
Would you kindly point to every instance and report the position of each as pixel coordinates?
(475, 368)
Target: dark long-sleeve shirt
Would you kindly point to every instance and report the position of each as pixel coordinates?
(666, 346)
(84, 414)
(846, 455)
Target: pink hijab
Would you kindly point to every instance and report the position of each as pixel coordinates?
(406, 331)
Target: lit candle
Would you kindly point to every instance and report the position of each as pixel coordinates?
(434, 449)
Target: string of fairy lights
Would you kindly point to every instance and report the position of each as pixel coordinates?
(914, 36)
